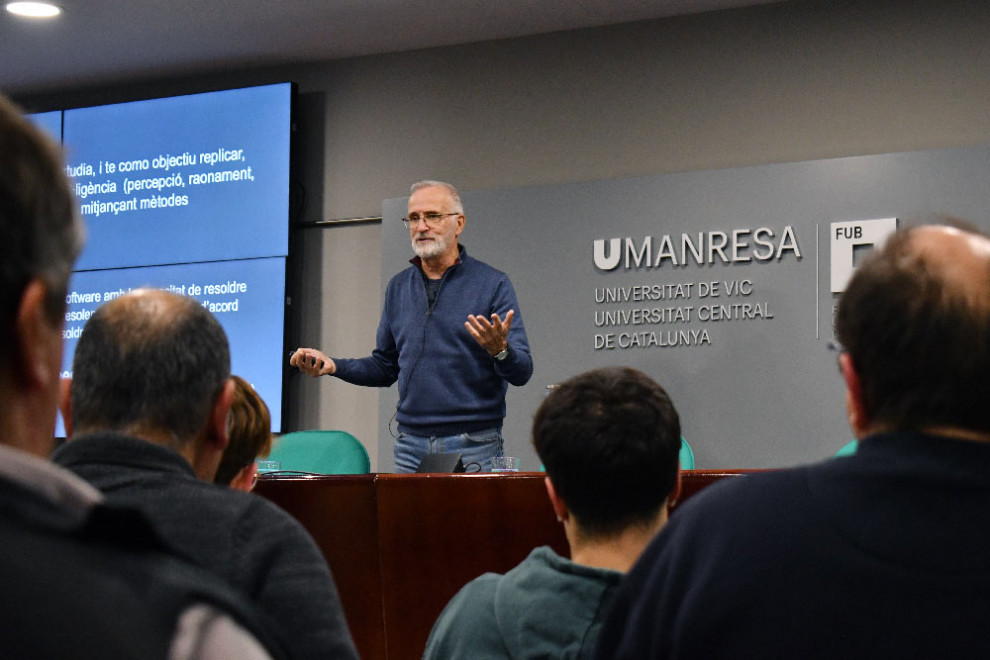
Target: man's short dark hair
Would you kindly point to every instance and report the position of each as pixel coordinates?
(150, 360)
(40, 232)
(920, 346)
(609, 440)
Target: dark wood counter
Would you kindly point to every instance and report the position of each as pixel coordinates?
(401, 545)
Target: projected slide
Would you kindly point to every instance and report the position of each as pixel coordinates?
(247, 297)
(191, 194)
(192, 178)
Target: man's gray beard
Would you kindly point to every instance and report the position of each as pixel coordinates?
(435, 249)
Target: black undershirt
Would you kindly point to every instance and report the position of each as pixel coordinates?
(432, 289)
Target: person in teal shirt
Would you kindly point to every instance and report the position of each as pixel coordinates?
(609, 439)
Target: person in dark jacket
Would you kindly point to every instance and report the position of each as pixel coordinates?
(881, 554)
(81, 578)
(609, 440)
(147, 420)
(451, 333)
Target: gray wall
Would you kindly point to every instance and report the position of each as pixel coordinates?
(716, 283)
(791, 82)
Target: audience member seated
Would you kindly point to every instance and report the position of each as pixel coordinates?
(609, 440)
(882, 554)
(81, 579)
(249, 437)
(147, 420)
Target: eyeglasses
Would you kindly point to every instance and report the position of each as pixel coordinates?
(432, 219)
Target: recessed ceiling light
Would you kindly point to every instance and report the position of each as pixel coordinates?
(33, 9)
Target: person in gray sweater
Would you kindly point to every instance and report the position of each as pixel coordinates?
(147, 420)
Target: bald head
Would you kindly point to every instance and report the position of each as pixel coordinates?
(915, 320)
(961, 259)
(149, 362)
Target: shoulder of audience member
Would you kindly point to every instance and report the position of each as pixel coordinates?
(744, 496)
(262, 521)
(468, 616)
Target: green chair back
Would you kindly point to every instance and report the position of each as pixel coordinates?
(686, 455)
(320, 452)
(848, 449)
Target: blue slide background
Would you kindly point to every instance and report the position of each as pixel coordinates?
(230, 220)
(51, 122)
(255, 330)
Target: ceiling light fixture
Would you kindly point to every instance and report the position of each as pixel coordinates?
(33, 9)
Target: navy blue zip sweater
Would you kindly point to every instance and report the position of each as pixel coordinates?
(448, 383)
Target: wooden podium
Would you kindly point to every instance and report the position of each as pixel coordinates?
(401, 545)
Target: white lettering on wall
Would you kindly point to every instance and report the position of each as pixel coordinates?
(704, 248)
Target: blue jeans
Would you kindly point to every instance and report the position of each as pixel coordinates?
(476, 448)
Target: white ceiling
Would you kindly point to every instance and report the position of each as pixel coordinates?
(106, 41)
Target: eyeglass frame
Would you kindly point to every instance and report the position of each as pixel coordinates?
(431, 219)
